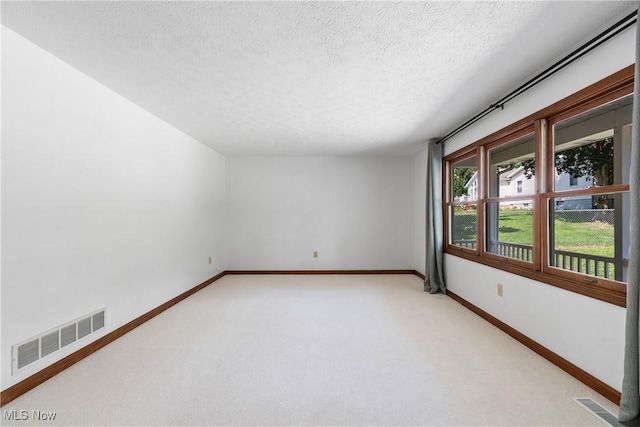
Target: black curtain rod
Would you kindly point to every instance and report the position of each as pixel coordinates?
(601, 38)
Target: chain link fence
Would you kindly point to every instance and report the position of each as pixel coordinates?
(606, 216)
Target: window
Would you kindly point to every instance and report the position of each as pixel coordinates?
(548, 197)
(462, 212)
(509, 219)
(590, 235)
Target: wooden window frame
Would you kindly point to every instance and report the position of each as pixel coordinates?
(606, 90)
(551, 192)
(447, 176)
(486, 198)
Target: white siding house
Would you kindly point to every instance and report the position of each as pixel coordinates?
(565, 181)
(515, 183)
(472, 188)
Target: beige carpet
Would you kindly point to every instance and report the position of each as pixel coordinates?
(314, 350)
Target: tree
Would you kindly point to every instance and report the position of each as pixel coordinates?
(594, 161)
(460, 178)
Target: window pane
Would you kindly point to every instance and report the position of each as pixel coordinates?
(465, 180)
(512, 168)
(592, 148)
(463, 226)
(593, 241)
(510, 229)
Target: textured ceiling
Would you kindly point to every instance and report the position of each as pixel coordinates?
(311, 78)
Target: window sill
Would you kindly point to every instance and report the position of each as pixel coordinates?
(612, 296)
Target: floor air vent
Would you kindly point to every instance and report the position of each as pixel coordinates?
(591, 406)
(35, 348)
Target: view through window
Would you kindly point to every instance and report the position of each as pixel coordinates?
(548, 197)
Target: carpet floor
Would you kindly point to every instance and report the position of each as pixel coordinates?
(314, 350)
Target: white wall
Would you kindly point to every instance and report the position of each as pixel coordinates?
(587, 332)
(583, 330)
(103, 204)
(356, 212)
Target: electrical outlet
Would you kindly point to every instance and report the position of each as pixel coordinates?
(315, 254)
(209, 260)
(500, 290)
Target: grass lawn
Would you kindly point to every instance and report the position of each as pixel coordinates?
(594, 238)
(588, 236)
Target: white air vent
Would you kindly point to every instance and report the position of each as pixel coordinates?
(84, 327)
(597, 410)
(28, 352)
(68, 335)
(49, 342)
(98, 320)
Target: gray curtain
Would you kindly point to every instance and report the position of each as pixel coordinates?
(630, 402)
(434, 277)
